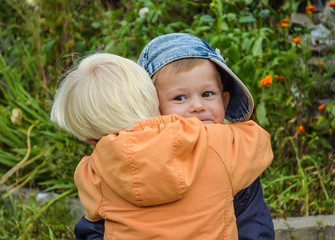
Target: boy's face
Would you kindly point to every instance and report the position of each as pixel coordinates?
(195, 93)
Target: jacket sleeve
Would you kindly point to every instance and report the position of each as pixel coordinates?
(253, 217)
(87, 230)
(88, 183)
(245, 149)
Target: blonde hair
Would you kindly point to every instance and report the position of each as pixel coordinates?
(184, 65)
(106, 93)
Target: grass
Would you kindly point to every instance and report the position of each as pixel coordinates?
(27, 219)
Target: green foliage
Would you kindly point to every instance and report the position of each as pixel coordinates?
(41, 39)
(27, 219)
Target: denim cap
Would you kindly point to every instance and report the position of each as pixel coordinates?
(171, 47)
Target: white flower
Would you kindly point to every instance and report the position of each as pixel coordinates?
(143, 11)
(30, 2)
(16, 117)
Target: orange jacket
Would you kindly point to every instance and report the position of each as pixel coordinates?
(171, 178)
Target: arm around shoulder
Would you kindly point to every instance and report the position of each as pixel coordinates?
(254, 153)
(246, 151)
(88, 185)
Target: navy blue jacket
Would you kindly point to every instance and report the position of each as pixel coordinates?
(253, 218)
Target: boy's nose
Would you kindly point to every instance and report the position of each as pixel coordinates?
(197, 105)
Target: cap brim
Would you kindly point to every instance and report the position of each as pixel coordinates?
(241, 103)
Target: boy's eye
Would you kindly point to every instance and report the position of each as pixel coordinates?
(207, 94)
(180, 98)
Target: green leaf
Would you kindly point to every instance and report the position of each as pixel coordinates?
(278, 132)
(292, 55)
(265, 2)
(80, 47)
(321, 123)
(95, 25)
(214, 41)
(247, 45)
(267, 32)
(257, 49)
(231, 16)
(248, 1)
(261, 115)
(47, 47)
(224, 26)
(249, 68)
(264, 13)
(8, 135)
(332, 124)
(234, 53)
(333, 110)
(206, 19)
(325, 144)
(8, 159)
(331, 71)
(247, 19)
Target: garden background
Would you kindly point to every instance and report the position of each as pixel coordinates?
(289, 71)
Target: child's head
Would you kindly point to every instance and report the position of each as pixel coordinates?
(104, 94)
(192, 88)
(167, 49)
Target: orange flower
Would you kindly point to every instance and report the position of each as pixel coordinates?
(331, 4)
(320, 63)
(284, 23)
(310, 9)
(330, 131)
(285, 20)
(279, 78)
(296, 41)
(301, 129)
(322, 107)
(267, 81)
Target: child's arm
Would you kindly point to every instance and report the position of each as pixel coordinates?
(245, 151)
(252, 214)
(253, 217)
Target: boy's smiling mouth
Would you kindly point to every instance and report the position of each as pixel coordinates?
(207, 121)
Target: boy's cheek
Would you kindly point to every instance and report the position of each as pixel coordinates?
(164, 107)
(168, 109)
(164, 111)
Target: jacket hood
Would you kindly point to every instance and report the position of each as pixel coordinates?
(152, 164)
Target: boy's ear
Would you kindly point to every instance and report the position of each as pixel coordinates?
(225, 98)
(91, 141)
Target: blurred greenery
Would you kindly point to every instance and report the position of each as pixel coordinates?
(41, 39)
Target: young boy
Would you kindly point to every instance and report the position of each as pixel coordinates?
(175, 62)
(164, 177)
(184, 69)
